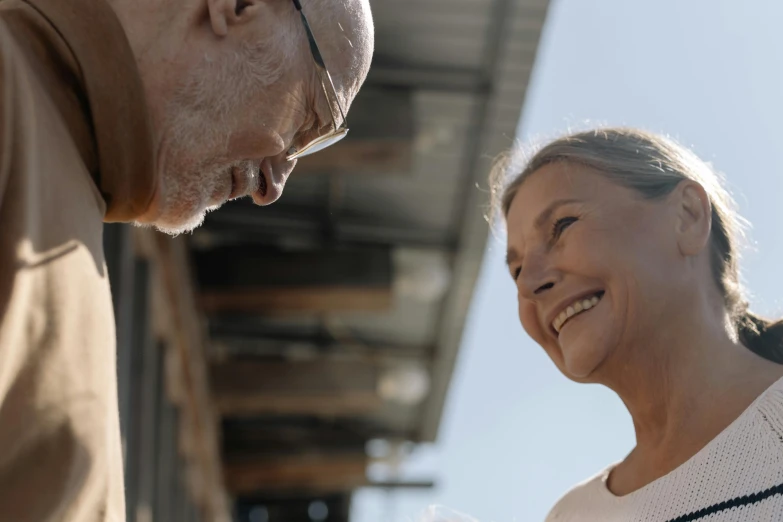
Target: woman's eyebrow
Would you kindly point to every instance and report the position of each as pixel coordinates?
(544, 216)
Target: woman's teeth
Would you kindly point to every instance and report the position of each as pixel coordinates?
(577, 307)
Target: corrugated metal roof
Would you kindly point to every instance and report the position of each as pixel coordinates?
(466, 65)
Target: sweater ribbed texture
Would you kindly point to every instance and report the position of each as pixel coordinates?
(736, 477)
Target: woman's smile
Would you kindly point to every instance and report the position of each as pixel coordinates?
(577, 307)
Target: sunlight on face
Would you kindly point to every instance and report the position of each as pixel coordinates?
(592, 264)
(221, 123)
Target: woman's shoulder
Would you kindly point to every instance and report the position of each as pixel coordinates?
(579, 500)
(768, 413)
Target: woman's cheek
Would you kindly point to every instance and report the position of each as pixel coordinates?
(528, 316)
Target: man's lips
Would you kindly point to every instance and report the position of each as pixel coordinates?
(243, 184)
(261, 181)
(262, 186)
(235, 184)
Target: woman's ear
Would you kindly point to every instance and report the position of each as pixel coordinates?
(694, 217)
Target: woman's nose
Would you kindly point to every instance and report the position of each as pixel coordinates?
(536, 276)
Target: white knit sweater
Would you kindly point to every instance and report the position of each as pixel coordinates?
(737, 477)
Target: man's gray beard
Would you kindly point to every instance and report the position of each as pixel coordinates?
(199, 120)
(186, 186)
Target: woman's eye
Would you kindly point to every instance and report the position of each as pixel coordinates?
(560, 225)
(515, 273)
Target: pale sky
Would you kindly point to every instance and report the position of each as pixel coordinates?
(516, 434)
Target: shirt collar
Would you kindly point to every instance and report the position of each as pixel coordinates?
(118, 109)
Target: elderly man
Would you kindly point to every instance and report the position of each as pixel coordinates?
(146, 111)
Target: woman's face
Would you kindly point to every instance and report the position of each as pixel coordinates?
(596, 266)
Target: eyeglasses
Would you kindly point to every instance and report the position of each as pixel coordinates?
(338, 132)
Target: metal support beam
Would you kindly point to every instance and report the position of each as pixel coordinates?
(336, 388)
(260, 345)
(467, 218)
(396, 484)
(297, 473)
(243, 223)
(311, 281)
(427, 77)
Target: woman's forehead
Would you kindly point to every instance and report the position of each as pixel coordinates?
(555, 182)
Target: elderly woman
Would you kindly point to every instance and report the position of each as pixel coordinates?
(623, 249)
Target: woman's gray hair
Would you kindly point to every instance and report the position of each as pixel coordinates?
(653, 166)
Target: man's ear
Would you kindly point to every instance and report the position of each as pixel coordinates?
(223, 13)
(694, 217)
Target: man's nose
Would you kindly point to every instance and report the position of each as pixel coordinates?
(282, 166)
(275, 171)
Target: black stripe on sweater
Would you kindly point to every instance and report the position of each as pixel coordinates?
(729, 504)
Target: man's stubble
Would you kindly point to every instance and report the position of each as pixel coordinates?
(199, 121)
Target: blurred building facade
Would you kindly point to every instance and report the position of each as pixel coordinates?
(268, 359)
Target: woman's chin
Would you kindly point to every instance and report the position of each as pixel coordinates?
(581, 357)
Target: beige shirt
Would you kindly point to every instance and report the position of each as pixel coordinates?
(75, 150)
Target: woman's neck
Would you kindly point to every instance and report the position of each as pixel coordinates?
(682, 390)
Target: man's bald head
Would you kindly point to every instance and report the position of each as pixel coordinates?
(343, 29)
(232, 86)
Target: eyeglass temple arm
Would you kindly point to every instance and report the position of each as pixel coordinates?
(319, 61)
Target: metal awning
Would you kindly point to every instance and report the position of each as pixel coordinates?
(335, 316)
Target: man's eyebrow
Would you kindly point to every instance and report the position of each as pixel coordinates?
(511, 256)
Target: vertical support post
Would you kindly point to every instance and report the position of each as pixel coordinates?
(118, 251)
(150, 402)
(139, 417)
(166, 431)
